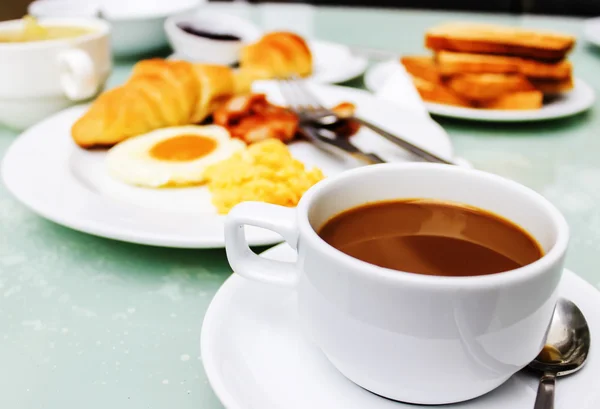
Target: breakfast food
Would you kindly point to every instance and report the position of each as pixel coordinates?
(252, 118)
(265, 172)
(33, 31)
(483, 87)
(515, 100)
(422, 66)
(486, 91)
(171, 157)
(552, 87)
(162, 93)
(491, 67)
(159, 94)
(494, 39)
(277, 55)
(450, 63)
(438, 93)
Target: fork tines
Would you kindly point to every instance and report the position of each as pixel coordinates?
(298, 96)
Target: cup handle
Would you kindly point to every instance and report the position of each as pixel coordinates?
(243, 260)
(78, 77)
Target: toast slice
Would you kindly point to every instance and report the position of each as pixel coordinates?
(451, 63)
(437, 92)
(522, 100)
(421, 67)
(553, 87)
(503, 40)
(482, 87)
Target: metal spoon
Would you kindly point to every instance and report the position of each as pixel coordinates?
(565, 352)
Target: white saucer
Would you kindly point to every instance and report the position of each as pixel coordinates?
(333, 63)
(256, 358)
(48, 173)
(578, 100)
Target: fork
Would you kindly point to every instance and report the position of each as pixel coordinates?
(314, 112)
(323, 138)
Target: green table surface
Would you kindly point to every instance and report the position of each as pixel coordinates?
(87, 322)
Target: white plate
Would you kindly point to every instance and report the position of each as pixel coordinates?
(255, 356)
(48, 173)
(578, 100)
(333, 63)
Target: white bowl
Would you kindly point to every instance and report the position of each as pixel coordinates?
(39, 78)
(137, 25)
(201, 49)
(137, 36)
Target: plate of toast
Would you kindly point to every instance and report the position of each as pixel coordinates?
(493, 73)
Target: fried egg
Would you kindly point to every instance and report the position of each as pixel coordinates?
(171, 157)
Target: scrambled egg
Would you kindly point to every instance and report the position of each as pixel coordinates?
(264, 172)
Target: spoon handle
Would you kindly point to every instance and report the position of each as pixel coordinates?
(545, 393)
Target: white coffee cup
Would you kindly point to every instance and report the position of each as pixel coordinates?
(39, 78)
(410, 337)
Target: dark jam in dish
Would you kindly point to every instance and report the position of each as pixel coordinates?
(208, 34)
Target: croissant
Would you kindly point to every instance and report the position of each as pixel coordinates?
(160, 93)
(277, 55)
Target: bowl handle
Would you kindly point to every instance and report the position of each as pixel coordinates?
(78, 77)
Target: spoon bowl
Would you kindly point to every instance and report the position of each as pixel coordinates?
(566, 350)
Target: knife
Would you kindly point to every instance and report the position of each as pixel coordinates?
(329, 141)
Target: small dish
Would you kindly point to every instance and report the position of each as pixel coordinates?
(578, 100)
(218, 37)
(256, 356)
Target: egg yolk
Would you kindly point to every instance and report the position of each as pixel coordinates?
(183, 148)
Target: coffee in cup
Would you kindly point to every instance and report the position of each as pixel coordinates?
(431, 237)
